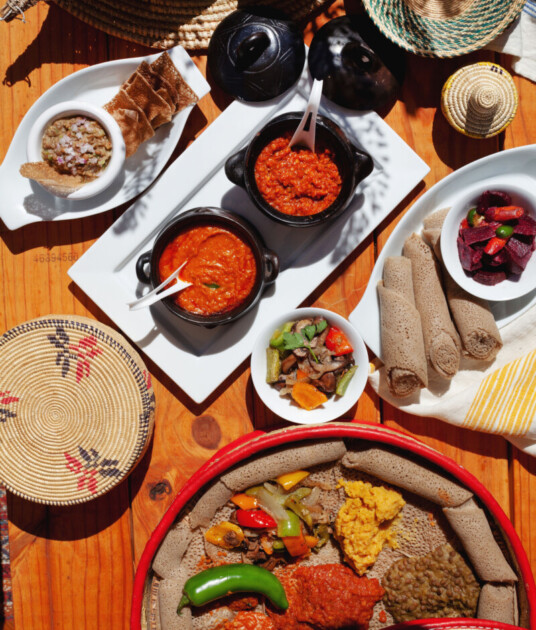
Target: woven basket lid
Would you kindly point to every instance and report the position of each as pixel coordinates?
(442, 28)
(479, 100)
(76, 409)
(166, 23)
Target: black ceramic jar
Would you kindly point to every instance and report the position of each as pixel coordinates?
(266, 261)
(354, 165)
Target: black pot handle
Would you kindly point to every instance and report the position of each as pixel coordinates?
(271, 266)
(363, 165)
(143, 260)
(251, 48)
(235, 168)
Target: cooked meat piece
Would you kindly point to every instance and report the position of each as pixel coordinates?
(326, 364)
(288, 363)
(327, 383)
(255, 552)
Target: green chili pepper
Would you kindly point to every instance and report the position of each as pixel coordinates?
(504, 231)
(273, 365)
(290, 526)
(277, 338)
(300, 510)
(220, 581)
(472, 216)
(344, 381)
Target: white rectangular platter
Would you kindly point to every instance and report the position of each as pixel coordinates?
(199, 359)
(516, 166)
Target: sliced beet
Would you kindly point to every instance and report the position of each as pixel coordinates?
(492, 198)
(518, 255)
(470, 258)
(517, 247)
(500, 258)
(489, 277)
(478, 234)
(525, 225)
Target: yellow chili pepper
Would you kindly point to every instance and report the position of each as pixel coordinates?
(225, 534)
(245, 502)
(289, 480)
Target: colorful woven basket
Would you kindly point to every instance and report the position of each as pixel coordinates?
(442, 28)
(479, 100)
(162, 23)
(76, 409)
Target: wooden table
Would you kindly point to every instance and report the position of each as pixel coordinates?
(74, 568)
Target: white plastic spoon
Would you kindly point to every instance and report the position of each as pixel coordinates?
(307, 138)
(153, 296)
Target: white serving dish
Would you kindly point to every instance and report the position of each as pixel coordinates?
(24, 201)
(79, 108)
(511, 288)
(284, 406)
(199, 359)
(517, 166)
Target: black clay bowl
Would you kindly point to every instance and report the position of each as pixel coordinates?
(354, 165)
(267, 263)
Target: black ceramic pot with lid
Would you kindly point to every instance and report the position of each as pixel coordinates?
(256, 54)
(359, 68)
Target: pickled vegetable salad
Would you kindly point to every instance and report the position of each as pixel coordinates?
(310, 360)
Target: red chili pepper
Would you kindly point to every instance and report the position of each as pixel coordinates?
(256, 519)
(337, 342)
(495, 245)
(465, 224)
(504, 213)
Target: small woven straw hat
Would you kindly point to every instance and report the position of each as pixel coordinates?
(442, 28)
(76, 409)
(163, 23)
(479, 100)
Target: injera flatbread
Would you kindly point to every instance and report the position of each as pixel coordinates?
(474, 321)
(169, 595)
(441, 341)
(401, 331)
(287, 459)
(472, 527)
(409, 475)
(172, 549)
(217, 495)
(59, 184)
(498, 602)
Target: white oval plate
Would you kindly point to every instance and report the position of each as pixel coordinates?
(23, 201)
(284, 406)
(517, 166)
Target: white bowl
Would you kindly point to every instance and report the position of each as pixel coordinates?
(75, 108)
(512, 287)
(284, 406)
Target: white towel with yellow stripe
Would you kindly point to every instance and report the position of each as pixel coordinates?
(497, 397)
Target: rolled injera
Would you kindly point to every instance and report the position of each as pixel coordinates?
(172, 549)
(498, 602)
(476, 325)
(401, 331)
(472, 527)
(217, 495)
(441, 341)
(169, 596)
(404, 473)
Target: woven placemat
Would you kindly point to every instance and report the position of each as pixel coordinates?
(166, 23)
(76, 409)
(479, 100)
(442, 28)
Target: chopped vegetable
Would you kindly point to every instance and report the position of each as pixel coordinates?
(220, 581)
(245, 502)
(504, 231)
(344, 381)
(225, 534)
(300, 510)
(266, 545)
(273, 365)
(289, 480)
(504, 213)
(321, 531)
(278, 545)
(338, 342)
(312, 541)
(255, 519)
(277, 338)
(296, 545)
(308, 396)
(473, 218)
(269, 502)
(291, 526)
(494, 245)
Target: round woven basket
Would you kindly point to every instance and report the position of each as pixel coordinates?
(163, 23)
(442, 28)
(480, 100)
(76, 409)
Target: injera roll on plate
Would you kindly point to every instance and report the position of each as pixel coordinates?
(401, 331)
(476, 326)
(441, 341)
